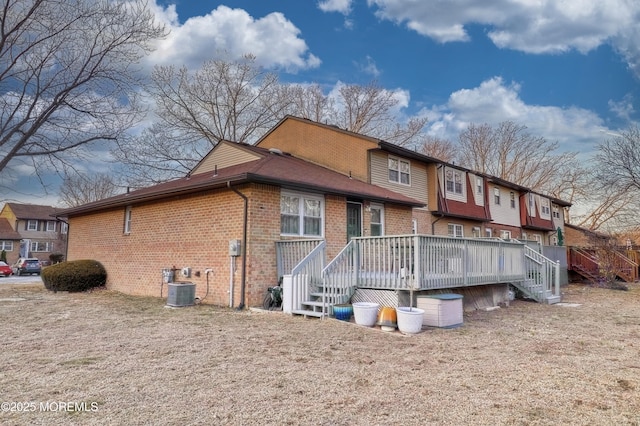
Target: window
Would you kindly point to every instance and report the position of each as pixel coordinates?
(479, 186)
(488, 232)
(537, 238)
(512, 199)
(399, 171)
(64, 227)
(300, 214)
(6, 245)
(544, 206)
(41, 246)
(496, 196)
(455, 230)
(475, 232)
(127, 220)
(505, 235)
(532, 203)
(377, 215)
(454, 181)
(556, 213)
(32, 225)
(51, 226)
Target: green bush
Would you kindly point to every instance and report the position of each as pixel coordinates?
(76, 275)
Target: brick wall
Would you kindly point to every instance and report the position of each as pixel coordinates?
(194, 231)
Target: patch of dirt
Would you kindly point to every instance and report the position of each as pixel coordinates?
(117, 359)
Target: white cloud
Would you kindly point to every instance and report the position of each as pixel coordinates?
(532, 26)
(493, 101)
(273, 39)
(623, 108)
(369, 67)
(341, 6)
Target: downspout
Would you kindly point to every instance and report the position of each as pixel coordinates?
(245, 220)
(433, 224)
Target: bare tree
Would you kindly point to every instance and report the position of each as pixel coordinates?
(68, 76)
(368, 110)
(441, 149)
(230, 100)
(78, 189)
(614, 185)
(511, 153)
(618, 161)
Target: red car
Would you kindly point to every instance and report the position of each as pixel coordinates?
(5, 269)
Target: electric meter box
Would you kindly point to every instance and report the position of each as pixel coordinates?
(234, 248)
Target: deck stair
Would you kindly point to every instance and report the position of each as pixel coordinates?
(540, 283)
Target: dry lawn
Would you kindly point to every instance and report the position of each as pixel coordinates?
(121, 360)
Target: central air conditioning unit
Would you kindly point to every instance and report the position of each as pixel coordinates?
(181, 294)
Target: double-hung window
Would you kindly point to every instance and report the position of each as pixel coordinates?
(399, 171)
(496, 196)
(32, 225)
(51, 226)
(377, 218)
(512, 199)
(301, 214)
(454, 181)
(544, 207)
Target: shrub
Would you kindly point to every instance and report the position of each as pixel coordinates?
(76, 275)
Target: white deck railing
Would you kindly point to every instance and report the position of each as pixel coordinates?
(427, 262)
(420, 262)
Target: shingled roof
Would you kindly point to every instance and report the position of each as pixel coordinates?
(6, 231)
(32, 211)
(272, 168)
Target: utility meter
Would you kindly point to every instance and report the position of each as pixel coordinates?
(234, 248)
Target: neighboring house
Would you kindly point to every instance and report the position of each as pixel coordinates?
(33, 231)
(237, 193)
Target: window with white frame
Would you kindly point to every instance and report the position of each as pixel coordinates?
(512, 199)
(6, 245)
(127, 220)
(377, 220)
(399, 171)
(496, 196)
(479, 185)
(488, 232)
(301, 214)
(64, 227)
(32, 225)
(51, 226)
(455, 230)
(556, 213)
(532, 203)
(544, 206)
(475, 232)
(454, 181)
(537, 238)
(41, 246)
(505, 235)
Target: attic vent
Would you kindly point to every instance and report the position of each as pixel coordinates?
(275, 151)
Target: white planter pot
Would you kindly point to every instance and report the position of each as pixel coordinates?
(365, 313)
(410, 319)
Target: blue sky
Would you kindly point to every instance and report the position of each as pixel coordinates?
(568, 70)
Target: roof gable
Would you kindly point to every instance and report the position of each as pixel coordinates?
(32, 211)
(226, 154)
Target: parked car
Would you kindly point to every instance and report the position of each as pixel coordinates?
(5, 269)
(27, 266)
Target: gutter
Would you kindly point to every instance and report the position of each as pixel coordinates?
(245, 221)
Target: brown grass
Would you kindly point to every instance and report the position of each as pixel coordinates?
(133, 361)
